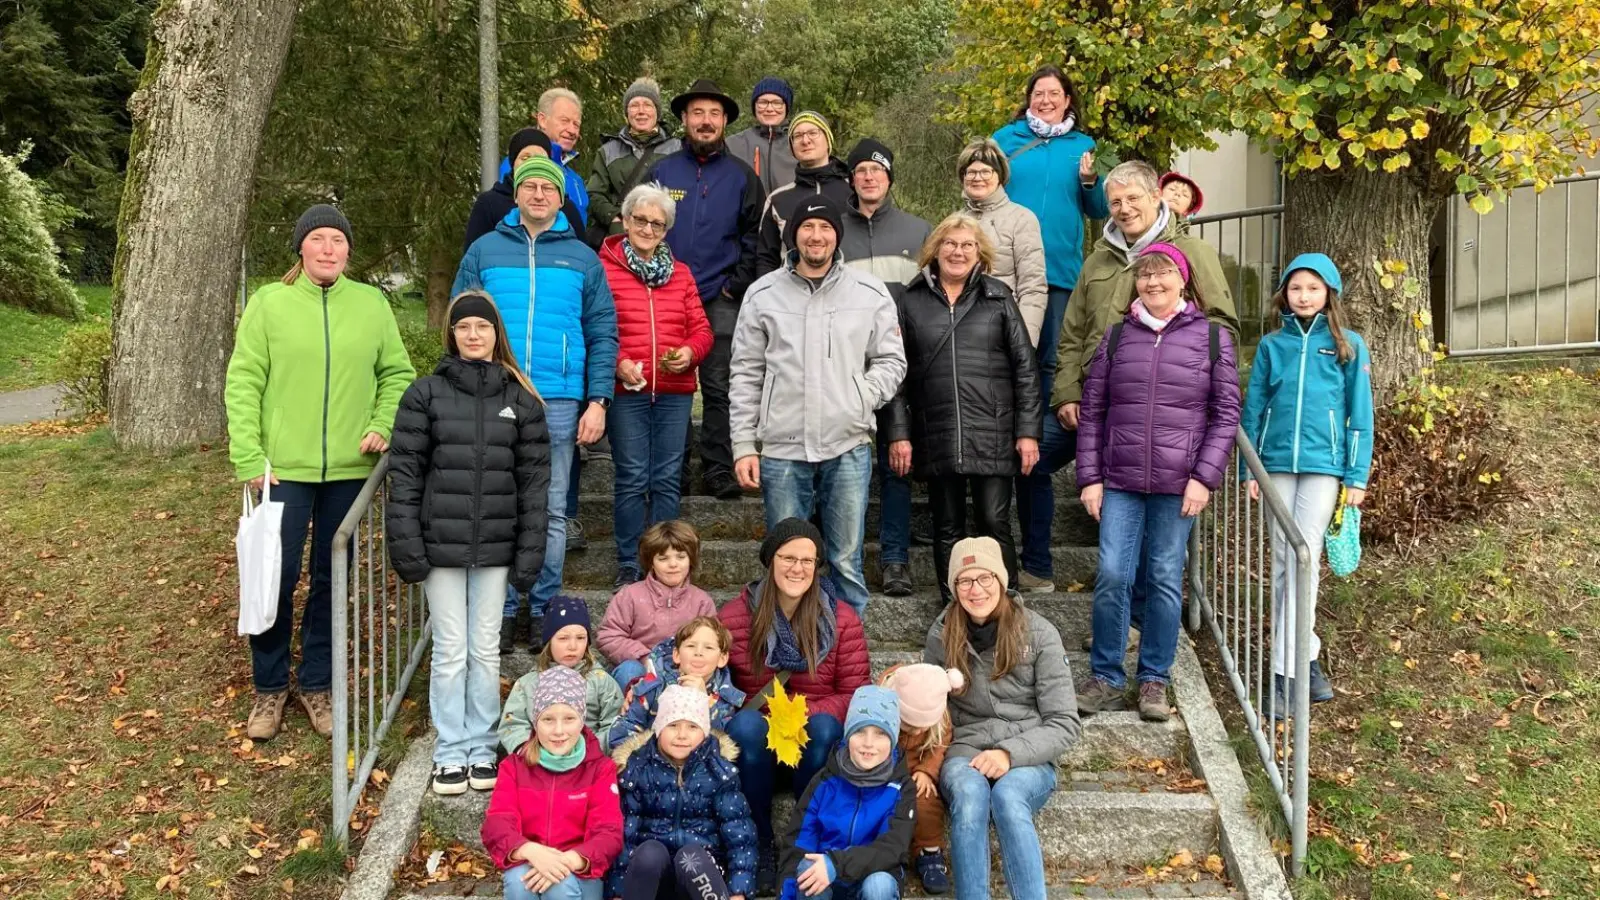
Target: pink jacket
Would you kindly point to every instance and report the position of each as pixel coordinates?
(579, 810)
(645, 613)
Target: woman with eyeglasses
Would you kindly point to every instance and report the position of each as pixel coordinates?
(1014, 717)
(791, 628)
(1012, 227)
(662, 334)
(967, 417)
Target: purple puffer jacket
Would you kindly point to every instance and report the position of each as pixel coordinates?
(1160, 412)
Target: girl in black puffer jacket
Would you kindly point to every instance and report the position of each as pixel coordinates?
(469, 470)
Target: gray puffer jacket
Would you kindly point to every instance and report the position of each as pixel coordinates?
(1031, 713)
(1018, 254)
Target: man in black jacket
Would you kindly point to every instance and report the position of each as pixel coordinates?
(816, 172)
(499, 200)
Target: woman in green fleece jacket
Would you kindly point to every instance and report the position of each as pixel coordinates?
(317, 372)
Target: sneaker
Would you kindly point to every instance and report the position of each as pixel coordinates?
(625, 576)
(1153, 706)
(1321, 688)
(508, 634)
(266, 716)
(576, 541)
(319, 708)
(1029, 583)
(1098, 695)
(449, 781)
(766, 871)
(933, 871)
(897, 579)
(535, 634)
(482, 776)
(723, 486)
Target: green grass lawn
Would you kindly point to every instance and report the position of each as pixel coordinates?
(29, 341)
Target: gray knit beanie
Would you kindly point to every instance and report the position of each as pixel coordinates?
(321, 215)
(645, 87)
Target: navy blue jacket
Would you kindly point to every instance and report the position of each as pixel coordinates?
(861, 830)
(700, 804)
(640, 712)
(717, 224)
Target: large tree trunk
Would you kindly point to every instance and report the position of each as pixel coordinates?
(1375, 226)
(198, 116)
(441, 277)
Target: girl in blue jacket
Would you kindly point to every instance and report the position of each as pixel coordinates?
(1309, 412)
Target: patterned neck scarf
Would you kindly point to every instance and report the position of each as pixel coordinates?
(654, 271)
(1041, 128)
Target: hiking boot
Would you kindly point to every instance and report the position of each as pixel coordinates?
(1097, 695)
(319, 708)
(576, 541)
(625, 576)
(449, 781)
(897, 579)
(766, 871)
(722, 485)
(1321, 688)
(921, 537)
(1153, 706)
(508, 634)
(1029, 583)
(933, 871)
(482, 776)
(266, 716)
(535, 634)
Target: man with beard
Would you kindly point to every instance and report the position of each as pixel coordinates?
(719, 201)
(817, 171)
(816, 353)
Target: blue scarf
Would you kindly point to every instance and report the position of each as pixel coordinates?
(783, 651)
(654, 271)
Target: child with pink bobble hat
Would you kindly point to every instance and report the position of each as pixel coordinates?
(925, 731)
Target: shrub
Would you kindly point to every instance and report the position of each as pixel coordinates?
(83, 366)
(423, 344)
(31, 273)
(1438, 457)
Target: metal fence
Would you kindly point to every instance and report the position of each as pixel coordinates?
(380, 631)
(1230, 589)
(1250, 242)
(1523, 278)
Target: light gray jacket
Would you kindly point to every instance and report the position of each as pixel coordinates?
(810, 369)
(1018, 254)
(1031, 713)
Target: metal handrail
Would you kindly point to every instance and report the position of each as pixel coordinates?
(374, 658)
(1231, 595)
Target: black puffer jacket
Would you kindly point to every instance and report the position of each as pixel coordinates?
(469, 474)
(972, 384)
(831, 178)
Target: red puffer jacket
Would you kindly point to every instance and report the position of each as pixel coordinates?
(651, 321)
(580, 810)
(828, 690)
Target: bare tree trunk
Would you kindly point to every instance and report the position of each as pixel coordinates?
(1376, 227)
(441, 275)
(198, 116)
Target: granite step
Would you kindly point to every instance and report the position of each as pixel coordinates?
(598, 476)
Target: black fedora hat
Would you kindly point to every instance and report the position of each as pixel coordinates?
(705, 89)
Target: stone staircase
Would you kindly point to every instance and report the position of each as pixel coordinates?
(1128, 798)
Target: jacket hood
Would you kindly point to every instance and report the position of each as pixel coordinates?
(624, 136)
(484, 378)
(718, 743)
(561, 229)
(832, 170)
(1166, 227)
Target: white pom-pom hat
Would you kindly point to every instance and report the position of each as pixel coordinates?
(923, 690)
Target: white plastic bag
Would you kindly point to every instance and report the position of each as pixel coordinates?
(259, 545)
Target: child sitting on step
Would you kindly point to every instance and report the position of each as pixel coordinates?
(925, 731)
(686, 822)
(647, 612)
(566, 643)
(852, 828)
(696, 658)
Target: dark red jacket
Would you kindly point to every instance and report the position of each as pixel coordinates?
(580, 810)
(828, 690)
(651, 321)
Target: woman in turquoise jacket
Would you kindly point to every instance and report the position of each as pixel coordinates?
(1309, 413)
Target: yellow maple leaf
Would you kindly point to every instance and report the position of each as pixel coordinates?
(786, 725)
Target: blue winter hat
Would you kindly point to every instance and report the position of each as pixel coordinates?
(772, 84)
(566, 611)
(874, 705)
(1320, 265)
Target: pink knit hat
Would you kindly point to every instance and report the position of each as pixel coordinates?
(681, 704)
(923, 689)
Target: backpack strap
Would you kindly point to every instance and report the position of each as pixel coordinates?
(1115, 338)
(1112, 340)
(1024, 148)
(754, 701)
(1216, 343)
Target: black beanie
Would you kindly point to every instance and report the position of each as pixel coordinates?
(525, 138)
(819, 207)
(871, 150)
(473, 303)
(784, 532)
(320, 216)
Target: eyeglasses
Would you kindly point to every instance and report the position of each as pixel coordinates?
(963, 246)
(1049, 94)
(792, 562)
(1158, 273)
(810, 134)
(978, 173)
(648, 225)
(982, 581)
(770, 104)
(539, 187)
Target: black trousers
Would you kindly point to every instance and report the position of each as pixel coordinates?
(991, 517)
(655, 873)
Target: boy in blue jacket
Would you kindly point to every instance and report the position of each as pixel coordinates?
(697, 658)
(851, 830)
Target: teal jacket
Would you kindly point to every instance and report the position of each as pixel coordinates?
(1306, 412)
(1044, 178)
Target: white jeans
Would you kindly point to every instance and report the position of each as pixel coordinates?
(1310, 499)
(464, 689)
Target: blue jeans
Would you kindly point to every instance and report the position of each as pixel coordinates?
(759, 767)
(839, 487)
(464, 684)
(1135, 527)
(877, 886)
(647, 440)
(561, 416)
(569, 888)
(1036, 496)
(317, 508)
(1011, 803)
(894, 513)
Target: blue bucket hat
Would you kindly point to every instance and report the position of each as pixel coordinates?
(1320, 265)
